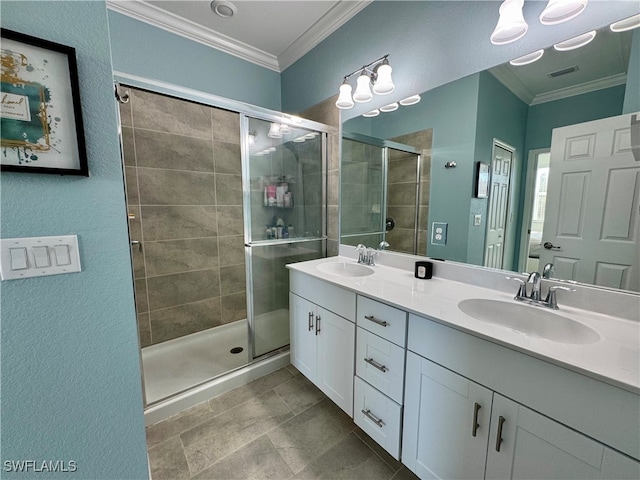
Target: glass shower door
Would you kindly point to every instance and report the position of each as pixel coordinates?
(284, 189)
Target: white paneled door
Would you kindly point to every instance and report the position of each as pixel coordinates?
(592, 204)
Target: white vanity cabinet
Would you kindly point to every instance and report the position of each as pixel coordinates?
(380, 370)
(458, 428)
(322, 328)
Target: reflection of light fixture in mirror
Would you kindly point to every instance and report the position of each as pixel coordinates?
(299, 139)
(528, 58)
(376, 75)
(274, 131)
(270, 149)
(259, 154)
(252, 139)
(575, 42)
(372, 113)
(224, 8)
(626, 24)
(412, 100)
(389, 108)
(558, 11)
(363, 88)
(311, 135)
(285, 129)
(383, 84)
(511, 25)
(344, 98)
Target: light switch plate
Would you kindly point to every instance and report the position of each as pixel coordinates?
(42, 251)
(439, 233)
(477, 220)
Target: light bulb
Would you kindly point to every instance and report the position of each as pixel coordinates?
(344, 98)
(372, 113)
(626, 24)
(389, 108)
(363, 91)
(274, 131)
(575, 42)
(285, 129)
(384, 85)
(412, 100)
(528, 58)
(511, 25)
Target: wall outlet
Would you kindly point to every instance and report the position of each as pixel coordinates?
(439, 233)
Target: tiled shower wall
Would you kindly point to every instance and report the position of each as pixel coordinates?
(184, 197)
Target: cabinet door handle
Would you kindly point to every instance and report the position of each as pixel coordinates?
(310, 321)
(373, 319)
(377, 365)
(476, 425)
(501, 421)
(373, 418)
(317, 324)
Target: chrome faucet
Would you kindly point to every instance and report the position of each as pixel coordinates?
(371, 256)
(546, 271)
(383, 245)
(534, 298)
(534, 281)
(362, 254)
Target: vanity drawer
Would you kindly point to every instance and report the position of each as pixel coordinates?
(380, 363)
(383, 320)
(378, 416)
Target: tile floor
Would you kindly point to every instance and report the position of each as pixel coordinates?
(277, 427)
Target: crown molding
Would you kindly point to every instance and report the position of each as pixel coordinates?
(157, 17)
(505, 76)
(612, 81)
(339, 14)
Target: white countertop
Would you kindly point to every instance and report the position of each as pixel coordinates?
(614, 359)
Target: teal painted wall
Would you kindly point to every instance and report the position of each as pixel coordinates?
(144, 50)
(632, 92)
(70, 366)
(544, 117)
(503, 116)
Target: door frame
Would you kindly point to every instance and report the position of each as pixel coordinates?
(527, 209)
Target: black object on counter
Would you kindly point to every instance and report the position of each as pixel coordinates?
(424, 270)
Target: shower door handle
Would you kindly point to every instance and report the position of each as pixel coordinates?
(310, 321)
(138, 243)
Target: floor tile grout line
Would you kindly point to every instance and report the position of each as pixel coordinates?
(395, 469)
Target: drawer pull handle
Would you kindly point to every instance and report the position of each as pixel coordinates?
(375, 320)
(370, 416)
(310, 321)
(501, 421)
(377, 365)
(476, 425)
(317, 324)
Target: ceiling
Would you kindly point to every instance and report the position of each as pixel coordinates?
(273, 34)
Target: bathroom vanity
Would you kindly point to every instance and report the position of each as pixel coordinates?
(460, 381)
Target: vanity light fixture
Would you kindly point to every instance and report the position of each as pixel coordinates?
(626, 24)
(389, 108)
(558, 11)
(300, 139)
(528, 58)
(412, 100)
(372, 113)
(511, 24)
(285, 129)
(376, 75)
(575, 42)
(274, 131)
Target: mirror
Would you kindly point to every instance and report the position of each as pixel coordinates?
(423, 167)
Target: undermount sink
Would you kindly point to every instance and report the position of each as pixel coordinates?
(529, 320)
(345, 269)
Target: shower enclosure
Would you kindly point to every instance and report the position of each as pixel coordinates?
(220, 197)
(385, 194)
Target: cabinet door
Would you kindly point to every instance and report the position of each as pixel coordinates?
(533, 446)
(446, 422)
(335, 358)
(302, 314)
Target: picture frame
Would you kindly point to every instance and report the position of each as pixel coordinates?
(482, 180)
(41, 117)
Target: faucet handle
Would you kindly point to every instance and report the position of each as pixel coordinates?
(361, 249)
(371, 254)
(522, 291)
(551, 300)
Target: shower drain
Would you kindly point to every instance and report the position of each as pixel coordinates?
(236, 349)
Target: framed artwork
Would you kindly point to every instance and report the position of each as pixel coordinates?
(482, 180)
(41, 120)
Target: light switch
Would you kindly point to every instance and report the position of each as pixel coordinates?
(22, 258)
(477, 220)
(62, 255)
(41, 257)
(18, 258)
